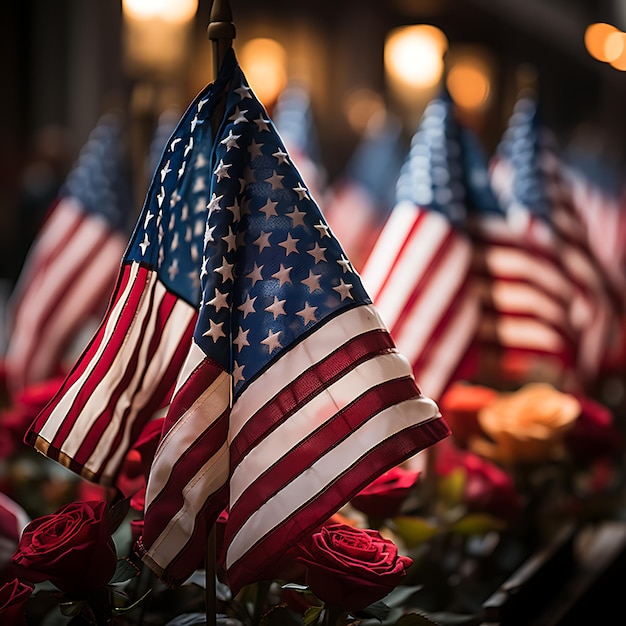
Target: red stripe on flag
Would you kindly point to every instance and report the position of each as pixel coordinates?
(307, 385)
(417, 286)
(408, 236)
(313, 447)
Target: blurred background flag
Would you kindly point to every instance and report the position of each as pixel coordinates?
(359, 203)
(289, 395)
(599, 200)
(419, 272)
(294, 120)
(601, 207)
(70, 270)
(166, 123)
(529, 177)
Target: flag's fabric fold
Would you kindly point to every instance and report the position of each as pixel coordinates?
(236, 305)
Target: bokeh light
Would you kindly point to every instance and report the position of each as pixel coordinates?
(414, 55)
(175, 12)
(264, 62)
(469, 83)
(600, 40)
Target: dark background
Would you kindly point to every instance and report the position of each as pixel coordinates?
(62, 62)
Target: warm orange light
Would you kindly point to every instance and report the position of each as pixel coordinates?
(264, 62)
(600, 40)
(468, 83)
(360, 105)
(619, 63)
(178, 11)
(614, 46)
(414, 55)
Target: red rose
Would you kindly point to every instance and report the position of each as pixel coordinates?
(136, 530)
(71, 548)
(34, 398)
(134, 472)
(385, 495)
(351, 568)
(14, 422)
(594, 435)
(13, 597)
(488, 488)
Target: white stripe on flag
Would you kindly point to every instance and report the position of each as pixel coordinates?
(409, 267)
(380, 263)
(65, 403)
(442, 361)
(435, 299)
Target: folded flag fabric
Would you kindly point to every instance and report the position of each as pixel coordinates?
(236, 304)
(72, 265)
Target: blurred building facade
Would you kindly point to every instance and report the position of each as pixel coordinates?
(67, 61)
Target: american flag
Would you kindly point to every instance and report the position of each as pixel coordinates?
(573, 306)
(419, 271)
(600, 205)
(289, 394)
(70, 270)
(360, 202)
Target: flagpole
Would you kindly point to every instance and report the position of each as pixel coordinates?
(221, 31)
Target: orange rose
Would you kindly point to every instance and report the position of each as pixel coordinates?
(528, 425)
(460, 405)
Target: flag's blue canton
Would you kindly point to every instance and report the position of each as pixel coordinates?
(521, 145)
(376, 162)
(269, 268)
(169, 237)
(100, 179)
(433, 175)
(481, 197)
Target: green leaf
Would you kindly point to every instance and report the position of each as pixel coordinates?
(477, 524)
(451, 488)
(416, 619)
(414, 530)
(124, 570)
(312, 614)
(188, 619)
(400, 595)
(377, 610)
(446, 618)
(118, 512)
(71, 609)
(296, 587)
(127, 609)
(280, 616)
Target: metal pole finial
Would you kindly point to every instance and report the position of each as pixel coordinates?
(221, 31)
